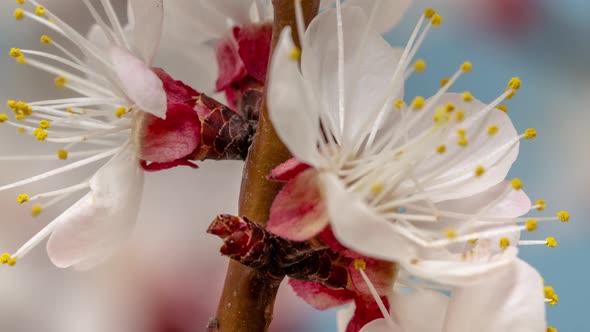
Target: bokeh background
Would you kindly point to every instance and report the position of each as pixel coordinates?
(169, 276)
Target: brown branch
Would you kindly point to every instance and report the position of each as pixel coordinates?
(252, 245)
(248, 296)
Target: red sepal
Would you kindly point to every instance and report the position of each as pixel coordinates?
(154, 167)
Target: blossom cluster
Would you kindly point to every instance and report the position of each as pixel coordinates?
(408, 198)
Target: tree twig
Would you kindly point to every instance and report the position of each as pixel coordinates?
(248, 296)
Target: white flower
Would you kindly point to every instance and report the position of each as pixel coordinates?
(510, 299)
(113, 84)
(386, 13)
(420, 184)
(193, 27)
(199, 21)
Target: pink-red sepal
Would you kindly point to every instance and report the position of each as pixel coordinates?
(365, 311)
(298, 212)
(242, 58)
(288, 170)
(154, 167)
(319, 296)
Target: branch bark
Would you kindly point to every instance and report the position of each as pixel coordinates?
(248, 296)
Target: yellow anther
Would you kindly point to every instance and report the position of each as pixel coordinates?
(514, 83)
(46, 39)
(473, 241)
(21, 130)
(429, 13)
(62, 154)
(295, 53)
(461, 132)
(120, 112)
(444, 81)
(450, 233)
(377, 188)
(440, 116)
(360, 264)
(467, 96)
(531, 225)
(541, 205)
(441, 149)
(516, 183)
(19, 14)
(436, 20)
(399, 104)
(530, 133)
(36, 210)
(26, 109)
(551, 329)
(564, 216)
(450, 107)
(463, 141)
(44, 124)
(21, 59)
(40, 134)
(549, 292)
(20, 2)
(466, 67)
(40, 11)
(20, 105)
(418, 102)
(69, 110)
(12, 261)
(60, 81)
(460, 115)
(419, 65)
(5, 258)
(22, 198)
(15, 53)
(11, 103)
(551, 242)
(492, 130)
(504, 243)
(502, 108)
(510, 94)
(20, 116)
(479, 171)
(3, 117)
(554, 299)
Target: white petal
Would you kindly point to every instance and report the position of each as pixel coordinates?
(325, 3)
(380, 325)
(193, 21)
(130, 15)
(357, 227)
(139, 82)
(292, 114)
(237, 10)
(369, 64)
(387, 14)
(92, 228)
(410, 309)
(191, 64)
(455, 270)
(343, 317)
(514, 204)
(500, 201)
(509, 300)
(97, 37)
(482, 150)
(148, 16)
